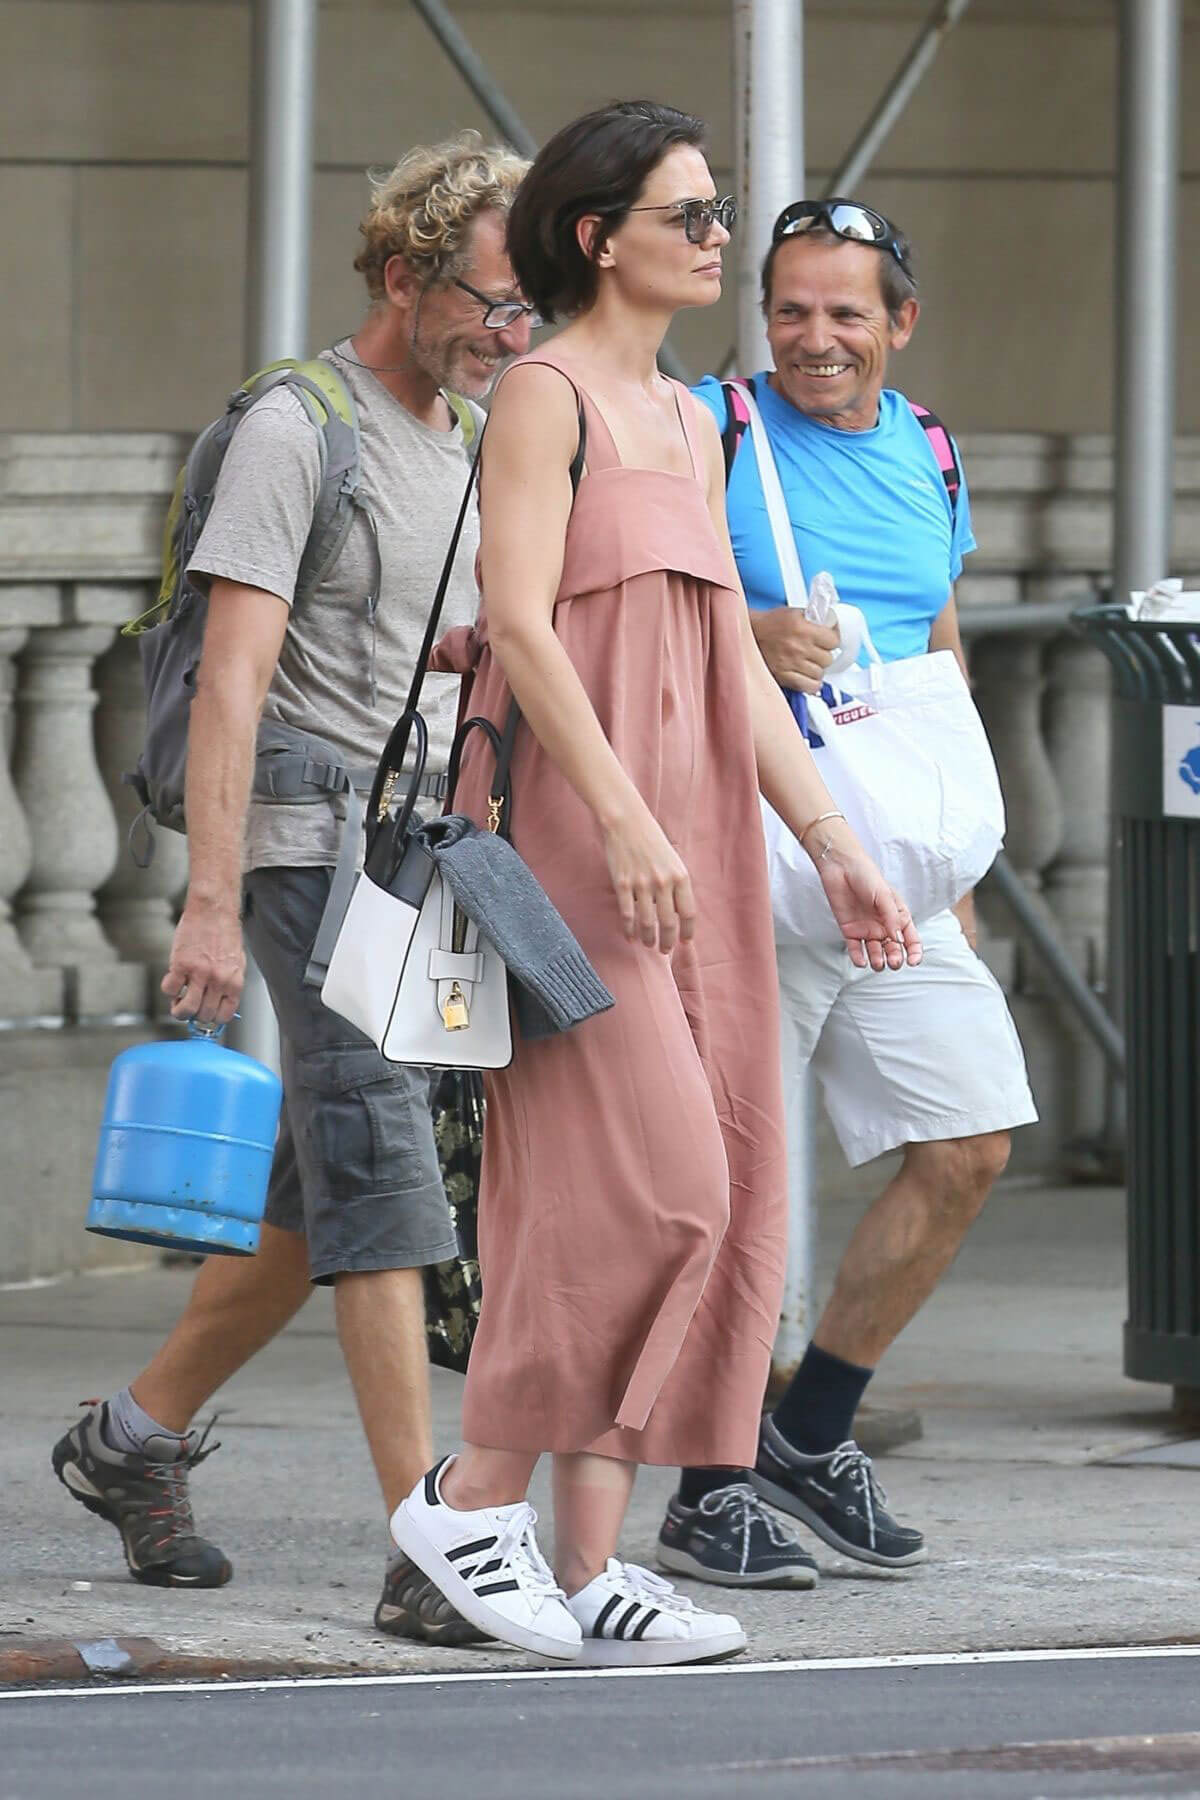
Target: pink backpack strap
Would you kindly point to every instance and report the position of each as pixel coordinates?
(737, 420)
(943, 450)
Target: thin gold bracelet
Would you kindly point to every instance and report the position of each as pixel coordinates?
(820, 819)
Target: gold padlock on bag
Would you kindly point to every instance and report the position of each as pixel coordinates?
(455, 1012)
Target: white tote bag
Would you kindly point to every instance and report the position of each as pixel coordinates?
(902, 750)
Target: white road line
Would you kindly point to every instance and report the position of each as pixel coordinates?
(429, 1678)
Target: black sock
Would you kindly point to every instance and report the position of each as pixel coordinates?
(695, 1483)
(817, 1412)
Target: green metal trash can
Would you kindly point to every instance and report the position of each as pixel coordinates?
(1156, 800)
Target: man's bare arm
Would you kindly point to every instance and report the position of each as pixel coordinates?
(944, 634)
(242, 640)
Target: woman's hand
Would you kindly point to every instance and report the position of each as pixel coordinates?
(653, 888)
(876, 924)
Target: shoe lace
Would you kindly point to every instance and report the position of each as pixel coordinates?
(172, 1480)
(645, 1585)
(517, 1547)
(849, 1460)
(745, 1511)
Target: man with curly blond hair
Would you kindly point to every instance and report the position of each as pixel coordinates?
(356, 1196)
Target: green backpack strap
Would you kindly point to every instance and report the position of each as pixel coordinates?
(462, 411)
(330, 404)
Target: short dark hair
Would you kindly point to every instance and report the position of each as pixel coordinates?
(896, 284)
(597, 164)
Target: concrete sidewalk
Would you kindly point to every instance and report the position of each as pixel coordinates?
(1037, 1536)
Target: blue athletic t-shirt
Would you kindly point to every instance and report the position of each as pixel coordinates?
(870, 507)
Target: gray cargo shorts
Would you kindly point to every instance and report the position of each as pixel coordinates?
(355, 1167)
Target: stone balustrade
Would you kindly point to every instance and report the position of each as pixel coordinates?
(84, 932)
(81, 928)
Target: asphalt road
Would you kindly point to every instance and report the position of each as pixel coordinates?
(987, 1730)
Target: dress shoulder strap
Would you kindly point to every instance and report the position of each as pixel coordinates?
(689, 414)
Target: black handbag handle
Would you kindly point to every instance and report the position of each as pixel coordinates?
(500, 793)
(387, 776)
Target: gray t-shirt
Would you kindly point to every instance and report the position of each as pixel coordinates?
(413, 478)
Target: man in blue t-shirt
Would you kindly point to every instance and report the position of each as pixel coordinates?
(929, 1062)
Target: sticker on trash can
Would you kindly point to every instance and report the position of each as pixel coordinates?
(1181, 762)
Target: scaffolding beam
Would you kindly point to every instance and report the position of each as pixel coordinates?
(896, 96)
(471, 67)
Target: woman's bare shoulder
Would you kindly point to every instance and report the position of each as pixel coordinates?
(535, 403)
(537, 381)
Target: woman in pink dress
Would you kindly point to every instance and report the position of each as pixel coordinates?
(632, 1215)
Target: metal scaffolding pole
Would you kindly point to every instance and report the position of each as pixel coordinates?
(1149, 52)
(768, 70)
(1146, 224)
(282, 78)
(282, 83)
(768, 62)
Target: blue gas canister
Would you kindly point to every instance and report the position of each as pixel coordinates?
(185, 1147)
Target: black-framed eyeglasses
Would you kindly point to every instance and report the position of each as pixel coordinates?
(497, 314)
(698, 216)
(846, 219)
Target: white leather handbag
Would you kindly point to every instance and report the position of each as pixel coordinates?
(410, 970)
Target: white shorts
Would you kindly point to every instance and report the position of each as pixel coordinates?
(909, 1056)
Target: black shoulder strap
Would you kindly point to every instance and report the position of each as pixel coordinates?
(392, 761)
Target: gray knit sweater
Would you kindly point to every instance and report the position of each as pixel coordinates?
(555, 986)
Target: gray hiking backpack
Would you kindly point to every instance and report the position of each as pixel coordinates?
(290, 765)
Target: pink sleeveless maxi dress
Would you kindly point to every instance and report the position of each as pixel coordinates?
(633, 1203)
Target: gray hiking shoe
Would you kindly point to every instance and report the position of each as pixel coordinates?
(411, 1607)
(146, 1499)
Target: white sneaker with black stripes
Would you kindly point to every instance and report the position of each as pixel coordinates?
(488, 1566)
(632, 1618)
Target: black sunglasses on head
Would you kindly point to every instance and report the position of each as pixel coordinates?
(846, 219)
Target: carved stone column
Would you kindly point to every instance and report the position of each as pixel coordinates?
(27, 995)
(15, 848)
(1007, 673)
(1009, 687)
(71, 821)
(74, 833)
(136, 905)
(1076, 883)
(1078, 746)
